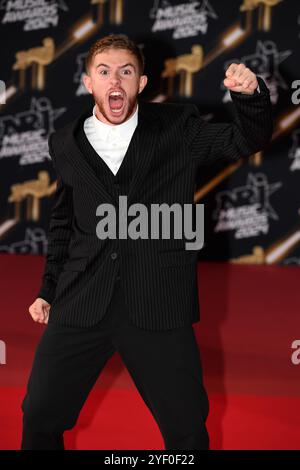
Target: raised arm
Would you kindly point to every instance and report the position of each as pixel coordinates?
(250, 130)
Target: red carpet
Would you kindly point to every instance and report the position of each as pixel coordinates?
(250, 317)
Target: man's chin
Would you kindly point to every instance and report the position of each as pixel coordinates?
(117, 117)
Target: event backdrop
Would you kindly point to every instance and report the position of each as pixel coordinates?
(251, 207)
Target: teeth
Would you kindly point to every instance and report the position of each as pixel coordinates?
(115, 93)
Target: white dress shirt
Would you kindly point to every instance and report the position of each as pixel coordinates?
(110, 141)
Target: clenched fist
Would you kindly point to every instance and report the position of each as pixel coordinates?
(240, 78)
(39, 310)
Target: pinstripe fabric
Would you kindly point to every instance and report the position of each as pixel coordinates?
(159, 276)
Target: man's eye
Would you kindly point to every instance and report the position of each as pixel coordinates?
(127, 72)
(103, 72)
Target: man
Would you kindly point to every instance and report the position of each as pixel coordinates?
(134, 295)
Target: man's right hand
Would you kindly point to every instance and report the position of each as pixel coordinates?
(39, 310)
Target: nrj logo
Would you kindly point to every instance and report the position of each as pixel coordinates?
(36, 14)
(264, 62)
(35, 242)
(114, 224)
(25, 134)
(78, 76)
(246, 209)
(186, 19)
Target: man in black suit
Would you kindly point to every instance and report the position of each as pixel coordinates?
(135, 295)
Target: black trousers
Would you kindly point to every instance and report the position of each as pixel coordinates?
(164, 365)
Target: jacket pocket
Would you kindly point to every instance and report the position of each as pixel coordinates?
(177, 258)
(75, 264)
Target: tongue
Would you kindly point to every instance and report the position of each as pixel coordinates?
(116, 103)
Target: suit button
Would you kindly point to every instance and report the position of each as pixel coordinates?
(114, 255)
(118, 278)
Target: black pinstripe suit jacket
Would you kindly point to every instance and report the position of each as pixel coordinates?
(159, 276)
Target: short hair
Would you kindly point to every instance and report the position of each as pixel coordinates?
(115, 41)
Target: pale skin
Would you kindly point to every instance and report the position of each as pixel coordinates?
(241, 79)
(116, 70)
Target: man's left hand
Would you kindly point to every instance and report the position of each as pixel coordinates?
(241, 79)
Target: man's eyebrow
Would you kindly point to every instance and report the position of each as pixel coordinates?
(121, 66)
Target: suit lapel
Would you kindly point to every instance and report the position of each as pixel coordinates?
(78, 161)
(141, 144)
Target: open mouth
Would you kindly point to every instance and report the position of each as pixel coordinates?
(116, 102)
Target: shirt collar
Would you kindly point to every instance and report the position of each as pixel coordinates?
(125, 129)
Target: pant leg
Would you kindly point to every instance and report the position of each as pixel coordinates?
(66, 365)
(166, 369)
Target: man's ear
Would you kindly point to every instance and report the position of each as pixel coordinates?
(87, 83)
(143, 82)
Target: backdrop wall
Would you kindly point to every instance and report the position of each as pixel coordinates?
(252, 207)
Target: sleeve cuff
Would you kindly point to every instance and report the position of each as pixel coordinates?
(47, 293)
(261, 90)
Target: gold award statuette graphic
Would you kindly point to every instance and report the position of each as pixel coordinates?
(257, 257)
(31, 191)
(185, 65)
(116, 8)
(36, 58)
(99, 4)
(264, 12)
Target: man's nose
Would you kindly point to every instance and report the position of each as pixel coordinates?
(115, 78)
